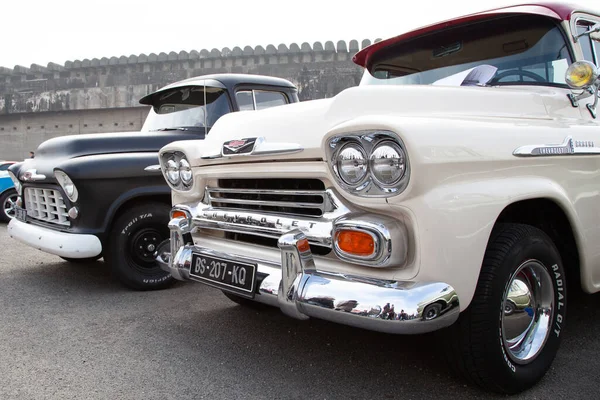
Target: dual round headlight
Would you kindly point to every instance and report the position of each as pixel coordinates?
(177, 171)
(388, 163)
(369, 163)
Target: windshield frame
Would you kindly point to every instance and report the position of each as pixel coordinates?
(368, 79)
(153, 114)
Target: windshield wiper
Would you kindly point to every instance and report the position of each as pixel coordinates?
(180, 128)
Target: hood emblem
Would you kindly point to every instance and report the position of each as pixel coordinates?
(32, 175)
(238, 146)
(257, 146)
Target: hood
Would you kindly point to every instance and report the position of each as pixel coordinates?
(304, 125)
(51, 153)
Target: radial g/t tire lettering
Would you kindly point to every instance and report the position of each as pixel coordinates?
(522, 264)
(131, 245)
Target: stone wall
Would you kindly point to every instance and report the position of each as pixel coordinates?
(101, 95)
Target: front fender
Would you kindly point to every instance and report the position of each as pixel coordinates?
(453, 224)
(106, 182)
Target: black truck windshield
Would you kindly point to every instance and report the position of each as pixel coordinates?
(187, 108)
(522, 49)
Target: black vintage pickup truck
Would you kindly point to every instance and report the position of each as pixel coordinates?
(84, 197)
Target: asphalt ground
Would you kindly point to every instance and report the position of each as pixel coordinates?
(70, 331)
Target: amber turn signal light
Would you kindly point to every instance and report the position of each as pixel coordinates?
(303, 245)
(178, 214)
(355, 243)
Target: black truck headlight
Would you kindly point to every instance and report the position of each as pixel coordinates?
(16, 182)
(67, 184)
(369, 163)
(177, 170)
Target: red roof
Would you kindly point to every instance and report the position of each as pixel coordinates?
(559, 11)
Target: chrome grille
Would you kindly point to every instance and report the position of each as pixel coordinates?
(277, 196)
(46, 205)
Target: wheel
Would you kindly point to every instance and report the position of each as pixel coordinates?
(432, 311)
(509, 307)
(8, 200)
(510, 352)
(133, 240)
(242, 301)
(82, 260)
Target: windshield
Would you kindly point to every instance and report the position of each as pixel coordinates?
(523, 49)
(185, 108)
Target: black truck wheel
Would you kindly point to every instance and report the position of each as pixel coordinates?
(510, 352)
(8, 200)
(133, 240)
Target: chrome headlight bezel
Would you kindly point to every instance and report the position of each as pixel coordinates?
(369, 141)
(67, 184)
(177, 170)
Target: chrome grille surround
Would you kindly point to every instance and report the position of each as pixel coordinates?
(47, 205)
(319, 230)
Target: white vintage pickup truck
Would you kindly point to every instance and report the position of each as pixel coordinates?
(456, 188)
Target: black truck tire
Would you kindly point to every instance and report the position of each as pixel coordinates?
(133, 239)
(485, 344)
(7, 202)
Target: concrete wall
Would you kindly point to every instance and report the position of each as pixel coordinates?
(93, 95)
(23, 132)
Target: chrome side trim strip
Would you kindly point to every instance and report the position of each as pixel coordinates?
(152, 168)
(566, 148)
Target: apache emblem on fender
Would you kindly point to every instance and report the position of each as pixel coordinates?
(239, 146)
(567, 147)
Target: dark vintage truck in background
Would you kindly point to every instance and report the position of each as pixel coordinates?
(84, 197)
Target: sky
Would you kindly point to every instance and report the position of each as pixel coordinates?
(42, 31)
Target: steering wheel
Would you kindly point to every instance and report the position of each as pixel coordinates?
(517, 72)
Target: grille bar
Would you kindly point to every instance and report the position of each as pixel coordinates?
(266, 191)
(263, 202)
(46, 205)
(274, 196)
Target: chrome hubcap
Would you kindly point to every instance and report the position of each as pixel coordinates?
(528, 308)
(9, 206)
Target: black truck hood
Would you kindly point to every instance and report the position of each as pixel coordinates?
(55, 152)
(110, 143)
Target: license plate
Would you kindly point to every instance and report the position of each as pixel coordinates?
(229, 275)
(20, 214)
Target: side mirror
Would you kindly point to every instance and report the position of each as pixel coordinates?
(584, 75)
(592, 31)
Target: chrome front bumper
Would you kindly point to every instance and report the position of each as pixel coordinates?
(300, 291)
